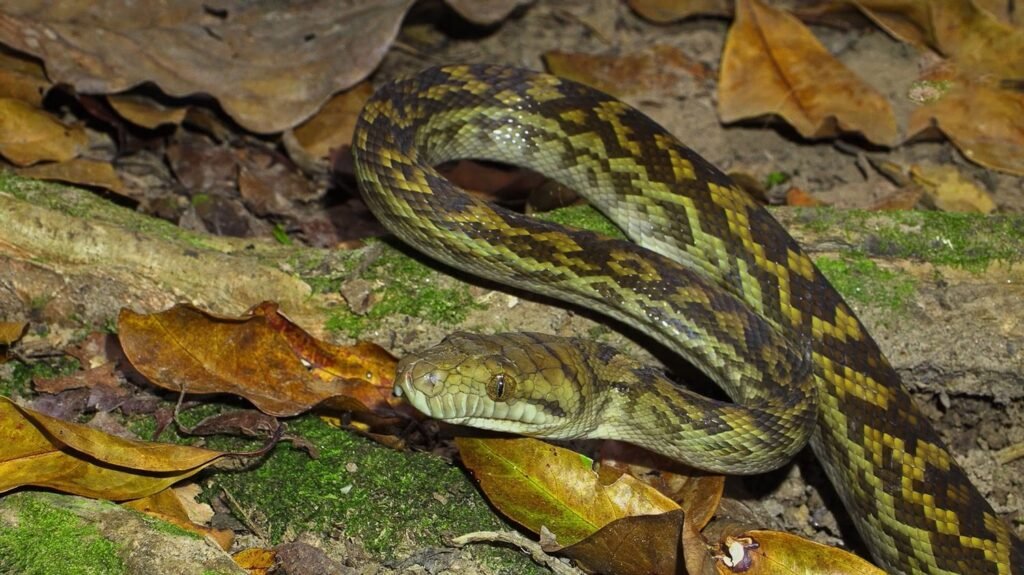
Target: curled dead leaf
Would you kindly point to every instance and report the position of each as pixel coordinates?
(46, 452)
(264, 358)
(773, 64)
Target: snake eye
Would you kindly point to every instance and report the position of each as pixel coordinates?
(501, 386)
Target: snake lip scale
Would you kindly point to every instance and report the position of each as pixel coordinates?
(708, 273)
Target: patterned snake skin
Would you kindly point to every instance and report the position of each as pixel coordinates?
(717, 280)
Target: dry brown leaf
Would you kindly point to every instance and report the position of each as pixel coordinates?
(332, 126)
(22, 79)
(78, 171)
(657, 69)
(985, 122)
(798, 197)
(639, 545)
(255, 560)
(146, 112)
(762, 552)
(905, 198)
(12, 331)
(964, 97)
(772, 64)
(665, 11)
(46, 452)
(486, 12)
(270, 68)
(29, 135)
(950, 191)
(539, 485)
(958, 29)
(281, 369)
(167, 506)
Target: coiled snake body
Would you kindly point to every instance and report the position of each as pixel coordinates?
(716, 279)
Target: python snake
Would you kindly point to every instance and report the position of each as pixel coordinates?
(711, 275)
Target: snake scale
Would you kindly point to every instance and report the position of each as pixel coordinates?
(711, 275)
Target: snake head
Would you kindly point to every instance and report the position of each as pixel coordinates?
(523, 383)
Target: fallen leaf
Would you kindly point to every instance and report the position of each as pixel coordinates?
(762, 552)
(330, 128)
(264, 358)
(167, 506)
(798, 197)
(656, 69)
(905, 198)
(269, 68)
(45, 452)
(102, 375)
(255, 560)
(368, 368)
(146, 112)
(772, 64)
(950, 191)
(965, 97)
(958, 29)
(12, 331)
(984, 122)
(486, 12)
(29, 135)
(78, 171)
(22, 79)
(639, 545)
(665, 11)
(539, 485)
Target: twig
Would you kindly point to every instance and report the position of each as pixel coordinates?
(527, 545)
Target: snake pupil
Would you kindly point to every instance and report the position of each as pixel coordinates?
(499, 386)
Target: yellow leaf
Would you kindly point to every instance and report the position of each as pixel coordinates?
(772, 64)
(29, 135)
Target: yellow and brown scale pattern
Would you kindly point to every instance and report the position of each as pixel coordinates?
(747, 283)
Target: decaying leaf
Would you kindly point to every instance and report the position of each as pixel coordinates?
(772, 553)
(657, 69)
(146, 112)
(539, 485)
(975, 108)
(331, 128)
(665, 11)
(772, 64)
(486, 12)
(167, 506)
(46, 452)
(950, 191)
(78, 171)
(269, 71)
(11, 331)
(638, 545)
(29, 135)
(985, 122)
(264, 358)
(22, 79)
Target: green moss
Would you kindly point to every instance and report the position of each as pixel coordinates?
(164, 526)
(584, 217)
(48, 540)
(16, 378)
(861, 280)
(383, 497)
(967, 241)
(406, 287)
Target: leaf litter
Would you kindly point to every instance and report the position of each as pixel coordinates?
(286, 120)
